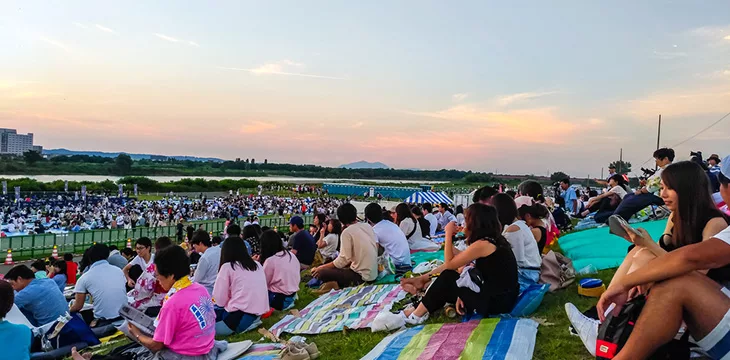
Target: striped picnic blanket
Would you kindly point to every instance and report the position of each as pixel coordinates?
(353, 307)
(490, 339)
(263, 352)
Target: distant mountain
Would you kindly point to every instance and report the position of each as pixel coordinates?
(133, 156)
(365, 165)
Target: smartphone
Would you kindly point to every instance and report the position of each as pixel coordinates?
(616, 226)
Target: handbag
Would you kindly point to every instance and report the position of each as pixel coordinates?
(557, 271)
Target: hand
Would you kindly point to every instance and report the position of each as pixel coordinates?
(459, 307)
(256, 257)
(315, 271)
(637, 192)
(643, 240)
(635, 291)
(450, 229)
(130, 283)
(322, 231)
(615, 294)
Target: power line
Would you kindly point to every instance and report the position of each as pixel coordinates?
(693, 136)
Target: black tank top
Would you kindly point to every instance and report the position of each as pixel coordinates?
(720, 275)
(543, 239)
(499, 271)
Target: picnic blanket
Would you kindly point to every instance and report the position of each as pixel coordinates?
(601, 249)
(263, 352)
(353, 307)
(485, 339)
(417, 258)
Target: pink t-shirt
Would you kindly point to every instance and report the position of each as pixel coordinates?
(186, 324)
(241, 290)
(282, 273)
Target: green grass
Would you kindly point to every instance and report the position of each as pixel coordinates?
(553, 340)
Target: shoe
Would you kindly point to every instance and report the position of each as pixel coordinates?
(291, 352)
(310, 349)
(586, 327)
(415, 320)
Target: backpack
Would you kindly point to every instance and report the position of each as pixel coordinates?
(557, 271)
(615, 331)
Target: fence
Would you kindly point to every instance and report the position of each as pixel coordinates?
(41, 245)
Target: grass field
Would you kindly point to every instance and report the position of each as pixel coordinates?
(553, 340)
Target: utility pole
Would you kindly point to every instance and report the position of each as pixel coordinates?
(620, 160)
(602, 174)
(658, 136)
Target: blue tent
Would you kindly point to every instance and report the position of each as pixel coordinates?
(431, 197)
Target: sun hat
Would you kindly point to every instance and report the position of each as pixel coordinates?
(714, 157)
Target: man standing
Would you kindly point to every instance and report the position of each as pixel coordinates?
(570, 197)
(611, 172)
(432, 221)
(301, 243)
(40, 300)
(647, 195)
(210, 257)
(105, 283)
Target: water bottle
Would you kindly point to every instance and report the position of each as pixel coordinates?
(588, 270)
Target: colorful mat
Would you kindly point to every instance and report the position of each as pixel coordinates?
(486, 339)
(353, 307)
(263, 352)
(417, 258)
(599, 248)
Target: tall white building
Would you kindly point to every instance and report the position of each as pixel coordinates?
(12, 143)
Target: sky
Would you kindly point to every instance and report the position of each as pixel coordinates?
(520, 87)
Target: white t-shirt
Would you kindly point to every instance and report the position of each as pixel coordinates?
(392, 239)
(724, 235)
(524, 246)
(329, 251)
(139, 261)
(618, 190)
(432, 222)
(105, 283)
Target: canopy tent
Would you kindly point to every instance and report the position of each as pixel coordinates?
(431, 197)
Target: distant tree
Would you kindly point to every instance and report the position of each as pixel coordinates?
(253, 161)
(266, 161)
(31, 157)
(123, 164)
(246, 161)
(622, 167)
(558, 175)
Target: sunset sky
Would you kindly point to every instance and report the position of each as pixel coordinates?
(502, 86)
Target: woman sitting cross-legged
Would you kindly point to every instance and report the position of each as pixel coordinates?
(185, 327)
(281, 269)
(240, 289)
(486, 285)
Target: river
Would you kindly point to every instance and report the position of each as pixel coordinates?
(284, 179)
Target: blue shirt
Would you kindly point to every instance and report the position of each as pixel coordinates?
(16, 340)
(60, 280)
(41, 302)
(304, 244)
(570, 195)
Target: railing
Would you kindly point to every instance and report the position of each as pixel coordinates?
(41, 245)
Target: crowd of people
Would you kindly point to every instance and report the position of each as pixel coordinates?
(40, 214)
(208, 286)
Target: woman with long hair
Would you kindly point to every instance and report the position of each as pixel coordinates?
(60, 275)
(281, 269)
(319, 222)
(329, 239)
(523, 241)
(534, 190)
(410, 228)
(534, 215)
(251, 234)
(685, 190)
(488, 287)
(240, 289)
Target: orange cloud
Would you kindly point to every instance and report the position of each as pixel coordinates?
(256, 127)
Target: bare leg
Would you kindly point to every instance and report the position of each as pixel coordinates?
(641, 257)
(693, 297)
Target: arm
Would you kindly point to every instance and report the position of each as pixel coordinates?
(448, 242)
(709, 254)
(220, 288)
(473, 252)
(145, 340)
(345, 258)
(78, 303)
(536, 233)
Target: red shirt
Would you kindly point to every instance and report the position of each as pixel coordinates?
(71, 270)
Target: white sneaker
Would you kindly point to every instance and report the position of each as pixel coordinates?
(586, 327)
(415, 320)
